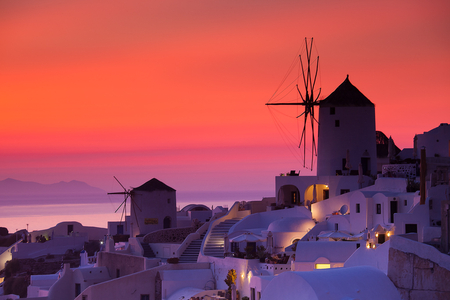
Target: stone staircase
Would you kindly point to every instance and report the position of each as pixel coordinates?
(190, 255)
(148, 252)
(214, 244)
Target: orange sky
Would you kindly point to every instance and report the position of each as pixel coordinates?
(176, 89)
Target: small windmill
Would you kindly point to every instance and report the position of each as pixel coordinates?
(127, 194)
(308, 100)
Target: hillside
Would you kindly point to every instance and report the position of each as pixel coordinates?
(9, 187)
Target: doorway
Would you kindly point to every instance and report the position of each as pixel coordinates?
(394, 210)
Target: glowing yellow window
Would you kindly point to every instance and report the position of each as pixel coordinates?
(322, 266)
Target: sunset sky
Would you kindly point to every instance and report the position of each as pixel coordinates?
(92, 89)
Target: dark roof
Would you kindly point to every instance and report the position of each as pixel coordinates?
(153, 185)
(346, 95)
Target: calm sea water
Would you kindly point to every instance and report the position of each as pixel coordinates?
(36, 213)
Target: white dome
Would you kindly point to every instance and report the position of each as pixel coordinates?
(291, 224)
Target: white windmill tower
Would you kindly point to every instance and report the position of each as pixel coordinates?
(347, 135)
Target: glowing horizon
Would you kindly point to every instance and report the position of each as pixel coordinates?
(176, 90)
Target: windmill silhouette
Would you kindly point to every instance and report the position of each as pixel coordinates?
(127, 194)
(308, 99)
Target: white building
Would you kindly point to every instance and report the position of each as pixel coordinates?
(436, 141)
(347, 133)
(153, 207)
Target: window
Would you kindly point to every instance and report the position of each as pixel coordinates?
(234, 247)
(84, 297)
(336, 123)
(344, 191)
(145, 297)
(252, 294)
(294, 198)
(326, 194)
(405, 202)
(120, 229)
(332, 110)
(358, 245)
(410, 228)
(168, 200)
(69, 229)
(77, 289)
(322, 266)
(378, 208)
(117, 273)
(358, 208)
(430, 204)
(336, 226)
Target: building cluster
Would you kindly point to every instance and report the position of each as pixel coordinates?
(372, 224)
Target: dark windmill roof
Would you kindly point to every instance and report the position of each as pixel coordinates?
(154, 185)
(346, 95)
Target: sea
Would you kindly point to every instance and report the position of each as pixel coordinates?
(42, 212)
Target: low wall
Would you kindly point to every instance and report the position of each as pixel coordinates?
(418, 271)
(124, 264)
(170, 235)
(57, 246)
(134, 285)
(164, 250)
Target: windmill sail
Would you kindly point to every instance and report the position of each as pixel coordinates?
(302, 88)
(127, 194)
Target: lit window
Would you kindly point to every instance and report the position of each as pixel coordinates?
(322, 266)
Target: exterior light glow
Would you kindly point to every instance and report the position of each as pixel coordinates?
(376, 234)
(373, 246)
(389, 233)
(322, 266)
(367, 246)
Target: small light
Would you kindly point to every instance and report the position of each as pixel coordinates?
(373, 246)
(367, 246)
(376, 234)
(389, 233)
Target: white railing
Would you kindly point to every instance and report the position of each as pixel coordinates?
(232, 214)
(399, 170)
(190, 238)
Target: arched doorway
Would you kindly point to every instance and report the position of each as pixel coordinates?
(316, 193)
(288, 195)
(167, 222)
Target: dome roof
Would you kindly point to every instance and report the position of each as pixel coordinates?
(291, 224)
(195, 207)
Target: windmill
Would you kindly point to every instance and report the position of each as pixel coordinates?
(127, 194)
(308, 99)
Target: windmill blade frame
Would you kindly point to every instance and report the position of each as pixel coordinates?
(309, 77)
